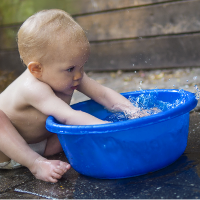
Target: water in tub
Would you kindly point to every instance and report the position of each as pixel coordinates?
(149, 105)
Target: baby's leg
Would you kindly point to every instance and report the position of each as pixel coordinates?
(16, 148)
(53, 146)
(50, 170)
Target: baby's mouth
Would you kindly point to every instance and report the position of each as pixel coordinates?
(74, 87)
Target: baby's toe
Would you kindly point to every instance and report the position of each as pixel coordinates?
(52, 180)
(64, 166)
(68, 166)
(59, 171)
(56, 175)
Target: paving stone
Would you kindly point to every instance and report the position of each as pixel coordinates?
(13, 178)
(179, 180)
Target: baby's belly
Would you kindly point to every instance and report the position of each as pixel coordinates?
(31, 126)
(33, 133)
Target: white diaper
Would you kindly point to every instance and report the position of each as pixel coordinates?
(37, 147)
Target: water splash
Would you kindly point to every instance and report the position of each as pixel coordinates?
(197, 92)
(148, 104)
(195, 77)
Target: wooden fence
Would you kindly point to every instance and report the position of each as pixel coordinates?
(124, 34)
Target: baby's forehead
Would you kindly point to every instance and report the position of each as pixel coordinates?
(72, 48)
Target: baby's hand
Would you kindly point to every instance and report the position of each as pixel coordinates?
(49, 170)
(141, 113)
(135, 113)
(156, 110)
(127, 109)
(144, 113)
(130, 111)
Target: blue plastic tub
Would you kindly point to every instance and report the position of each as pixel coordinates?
(127, 148)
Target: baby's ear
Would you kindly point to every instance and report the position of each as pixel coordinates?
(35, 69)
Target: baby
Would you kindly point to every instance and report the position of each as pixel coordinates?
(54, 48)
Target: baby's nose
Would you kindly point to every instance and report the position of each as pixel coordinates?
(78, 76)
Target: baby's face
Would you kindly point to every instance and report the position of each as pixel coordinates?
(63, 70)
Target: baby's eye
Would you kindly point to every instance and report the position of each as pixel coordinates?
(70, 69)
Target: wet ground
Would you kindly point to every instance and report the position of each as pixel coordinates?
(179, 180)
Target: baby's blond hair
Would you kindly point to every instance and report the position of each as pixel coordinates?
(41, 30)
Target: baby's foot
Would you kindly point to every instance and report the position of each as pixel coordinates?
(49, 170)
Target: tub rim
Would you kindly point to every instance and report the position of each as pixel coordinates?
(54, 127)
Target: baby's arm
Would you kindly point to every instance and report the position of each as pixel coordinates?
(44, 99)
(105, 96)
(15, 147)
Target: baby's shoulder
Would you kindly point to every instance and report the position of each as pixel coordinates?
(26, 88)
(35, 89)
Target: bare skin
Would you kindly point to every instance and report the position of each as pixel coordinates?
(47, 170)
(46, 89)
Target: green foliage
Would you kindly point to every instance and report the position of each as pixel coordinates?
(17, 11)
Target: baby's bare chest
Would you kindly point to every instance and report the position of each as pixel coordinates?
(29, 121)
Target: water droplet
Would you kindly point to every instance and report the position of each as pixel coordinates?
(195, 77)
(197, 92)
